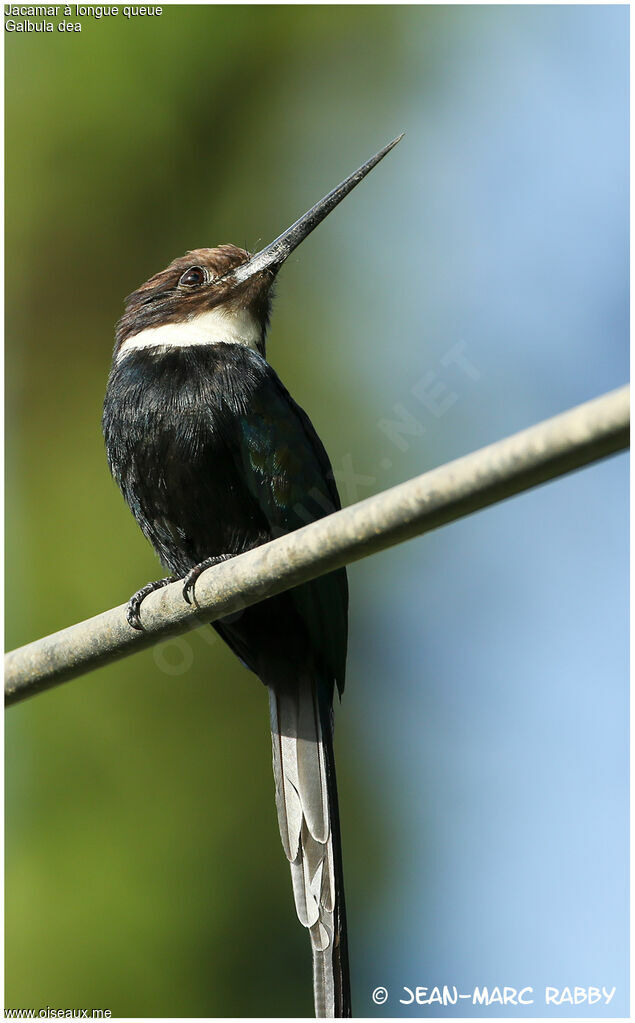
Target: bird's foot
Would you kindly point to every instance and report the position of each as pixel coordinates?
(135, 602)
(189, 582)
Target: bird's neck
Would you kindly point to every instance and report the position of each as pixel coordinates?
(221, 325)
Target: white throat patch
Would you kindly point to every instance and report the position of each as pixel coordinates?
(213, 327)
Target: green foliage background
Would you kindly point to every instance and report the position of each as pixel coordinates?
(144, 870)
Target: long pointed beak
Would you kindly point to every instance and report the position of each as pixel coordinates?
(274, 255)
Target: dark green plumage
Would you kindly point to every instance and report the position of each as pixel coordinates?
(288, 473)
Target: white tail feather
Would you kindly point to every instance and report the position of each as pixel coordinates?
(299, 766)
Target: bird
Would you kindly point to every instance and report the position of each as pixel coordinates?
(214, 458)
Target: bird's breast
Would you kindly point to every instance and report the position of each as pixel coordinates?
(171, 422)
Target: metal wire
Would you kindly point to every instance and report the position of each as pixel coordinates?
(552, 448)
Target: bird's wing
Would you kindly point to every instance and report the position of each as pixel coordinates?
(288, 473)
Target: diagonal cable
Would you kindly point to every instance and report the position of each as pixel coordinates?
(543, 452)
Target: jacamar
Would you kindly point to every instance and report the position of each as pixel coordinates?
(214, 457)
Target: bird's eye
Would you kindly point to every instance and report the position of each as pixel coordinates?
(195, 276)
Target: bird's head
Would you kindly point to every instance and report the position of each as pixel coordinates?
(197, 300)
(220, 295)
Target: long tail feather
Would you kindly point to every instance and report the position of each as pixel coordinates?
(306, 798)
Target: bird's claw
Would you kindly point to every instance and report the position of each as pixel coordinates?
(135, 602)
(189, 582)
(132, 614)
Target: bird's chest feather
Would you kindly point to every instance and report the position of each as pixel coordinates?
(173, 424)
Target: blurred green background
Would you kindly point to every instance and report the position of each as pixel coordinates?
(144, 868)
